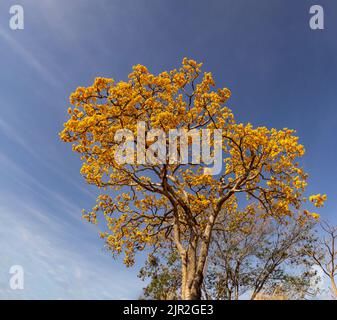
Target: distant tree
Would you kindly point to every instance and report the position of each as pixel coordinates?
(262, 255)
(164, 275)
(325, 254)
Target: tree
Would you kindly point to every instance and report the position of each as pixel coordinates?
(254, 256)
(325, 254)
(149, 202)
(165, 278)
(258, 256)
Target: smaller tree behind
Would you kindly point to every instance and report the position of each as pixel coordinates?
(249, 256)
(165, 277)
(255, 255)
(325, 254)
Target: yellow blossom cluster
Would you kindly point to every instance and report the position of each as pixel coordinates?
(318, 199)
(149, 205)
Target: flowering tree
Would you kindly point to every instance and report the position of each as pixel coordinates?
(150, 203)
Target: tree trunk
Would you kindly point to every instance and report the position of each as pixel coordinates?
(193, 272)
(193, 264)
(195, 293)
(190, 285)
(333, 286)
(191, 292)
(253, 296)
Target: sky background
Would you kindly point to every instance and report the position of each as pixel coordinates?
(281, 74)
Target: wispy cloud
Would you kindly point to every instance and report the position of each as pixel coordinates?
(29, 58)
(13, 134)
(53, 268)
(29, 182)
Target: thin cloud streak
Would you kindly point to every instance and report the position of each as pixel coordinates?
(53, 269)
(29, 59)
(13, 134)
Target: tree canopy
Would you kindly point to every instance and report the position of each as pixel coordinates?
(150, 204)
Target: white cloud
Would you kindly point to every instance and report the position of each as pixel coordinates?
(53, 268)
(29, 59)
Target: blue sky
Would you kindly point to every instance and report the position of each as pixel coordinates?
(281, 73)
